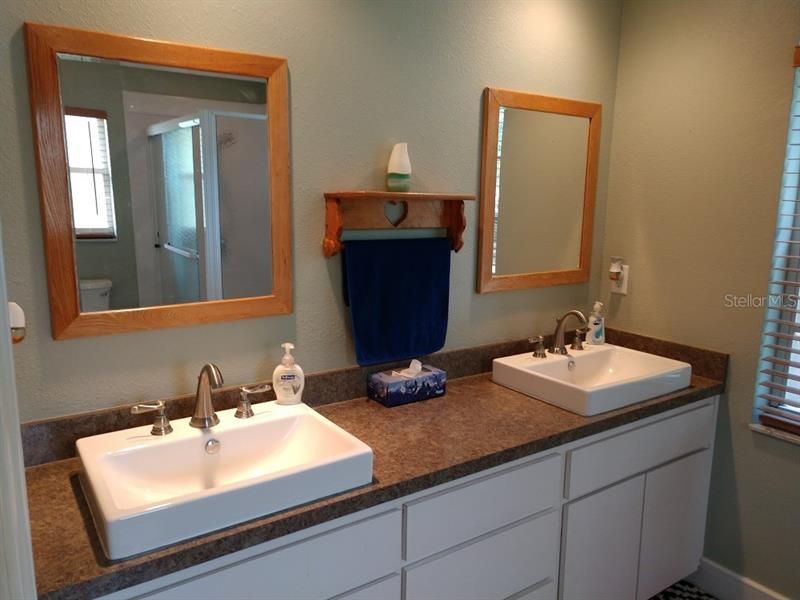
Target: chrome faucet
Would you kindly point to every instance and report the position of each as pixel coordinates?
(161, 424)
(558, 335)
(204, 416)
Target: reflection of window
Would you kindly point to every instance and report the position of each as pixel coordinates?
(501, 118)
(89, 173)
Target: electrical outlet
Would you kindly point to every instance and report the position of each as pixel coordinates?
(621, 286)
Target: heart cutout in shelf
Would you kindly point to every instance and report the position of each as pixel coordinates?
(396, 211)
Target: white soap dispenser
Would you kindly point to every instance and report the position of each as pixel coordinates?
(288, 379)
(597, 325)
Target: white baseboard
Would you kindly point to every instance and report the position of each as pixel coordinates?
(727, 585)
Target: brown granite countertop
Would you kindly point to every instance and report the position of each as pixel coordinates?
(476, 426)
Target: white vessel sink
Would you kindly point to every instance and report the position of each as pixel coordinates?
(147, 491)
(593, 380)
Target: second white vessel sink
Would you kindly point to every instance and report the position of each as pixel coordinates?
(147, 491)
(593, 380)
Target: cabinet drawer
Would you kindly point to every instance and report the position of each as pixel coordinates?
(493, 567)
(320, 567)
(544, 590)
(443, 520)
(610, 460)
(387, 588)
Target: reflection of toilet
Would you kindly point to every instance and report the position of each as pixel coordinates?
(95, 294)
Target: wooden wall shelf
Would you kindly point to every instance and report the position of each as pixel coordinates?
(367, 210)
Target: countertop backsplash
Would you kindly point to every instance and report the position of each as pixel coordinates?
(54, 439)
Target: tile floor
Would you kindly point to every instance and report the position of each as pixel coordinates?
(683, 590)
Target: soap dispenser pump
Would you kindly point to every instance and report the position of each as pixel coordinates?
(597, 325)
(288, 379)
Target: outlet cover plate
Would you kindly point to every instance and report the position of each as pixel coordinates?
(621, 287)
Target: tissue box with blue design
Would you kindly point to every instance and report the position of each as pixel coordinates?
(392, 388)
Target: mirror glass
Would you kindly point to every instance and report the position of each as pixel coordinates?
(538, 204)
(538, 179)
(168, 182)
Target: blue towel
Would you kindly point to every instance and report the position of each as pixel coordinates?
(398, 293)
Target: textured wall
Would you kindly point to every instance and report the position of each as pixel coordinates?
(699, 132)
(363, 75)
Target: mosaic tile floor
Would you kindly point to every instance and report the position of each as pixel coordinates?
(683, 590)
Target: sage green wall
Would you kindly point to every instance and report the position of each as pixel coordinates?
(363, 76)
(699, 131)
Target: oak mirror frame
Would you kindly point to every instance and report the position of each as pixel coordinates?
(499, 105)
(44, 44)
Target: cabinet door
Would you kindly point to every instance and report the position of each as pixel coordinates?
(601, 544)
(673, 526)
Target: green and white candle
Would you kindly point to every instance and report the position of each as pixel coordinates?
(398, 172)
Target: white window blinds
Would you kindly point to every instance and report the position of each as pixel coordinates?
(778, 387)
(89, 163)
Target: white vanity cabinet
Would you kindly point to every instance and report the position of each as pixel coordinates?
(491, 536)
(619, 515)
(634, 521)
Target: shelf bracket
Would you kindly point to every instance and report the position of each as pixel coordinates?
(367, 210)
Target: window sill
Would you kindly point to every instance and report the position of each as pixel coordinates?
(95, 239)
(775, 433)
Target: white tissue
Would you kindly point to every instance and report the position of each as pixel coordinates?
(414, 369)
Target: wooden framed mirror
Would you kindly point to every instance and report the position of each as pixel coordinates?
(163, 175)
(538, 181)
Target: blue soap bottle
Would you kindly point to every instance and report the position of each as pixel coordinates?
(597, 325)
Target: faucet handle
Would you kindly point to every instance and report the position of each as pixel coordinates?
(255, 389)
(539, 351)
(161, 424)
(577, 342)
(244, 410)
(147, 407)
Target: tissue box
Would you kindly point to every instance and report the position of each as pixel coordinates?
(394, 390)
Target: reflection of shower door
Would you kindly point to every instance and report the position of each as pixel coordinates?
(213, 229)
(179, 208)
